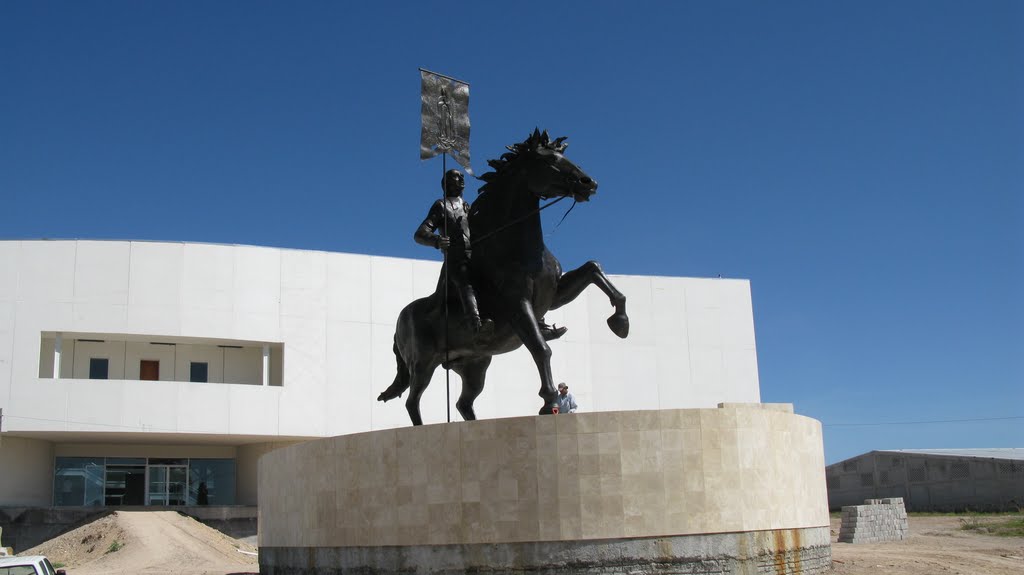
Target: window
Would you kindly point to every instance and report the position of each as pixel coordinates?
(113, 481)
(960, 470)
(78, 481)
(199, 372)
(99, 367)
(1009, 468)
(211, 482)
(18, 570)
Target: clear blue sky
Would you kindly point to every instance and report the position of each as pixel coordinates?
(862, 163)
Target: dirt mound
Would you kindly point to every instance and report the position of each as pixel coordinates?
(84, 544)
(149, 542)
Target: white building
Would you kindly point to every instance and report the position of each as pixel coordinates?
(150, 373)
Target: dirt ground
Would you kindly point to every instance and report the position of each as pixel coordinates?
(165, 543)
(152, 543)
(936, 546)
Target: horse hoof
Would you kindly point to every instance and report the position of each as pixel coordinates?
(619, 324)
(385, 396)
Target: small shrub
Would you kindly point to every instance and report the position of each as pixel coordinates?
(970, 523)
(1000, 526)
(115, 546)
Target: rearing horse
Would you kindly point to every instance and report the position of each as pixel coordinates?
(516, 278)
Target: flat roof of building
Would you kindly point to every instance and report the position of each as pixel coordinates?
(1009, 453)
(989, 452)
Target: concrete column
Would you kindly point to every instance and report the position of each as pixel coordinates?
(57, 344)
(266, 364)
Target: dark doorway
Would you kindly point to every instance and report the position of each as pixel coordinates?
(135, 488)
(126, 485)
(149, 370)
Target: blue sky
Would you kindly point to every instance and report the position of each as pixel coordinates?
(862, 163)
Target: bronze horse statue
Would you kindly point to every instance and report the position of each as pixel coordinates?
(516, 278)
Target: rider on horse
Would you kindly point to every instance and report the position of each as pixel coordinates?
(452, 214)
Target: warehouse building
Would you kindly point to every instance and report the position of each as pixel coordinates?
(931, 479)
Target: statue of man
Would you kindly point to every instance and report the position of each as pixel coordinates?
(454, 210)
(452, 213)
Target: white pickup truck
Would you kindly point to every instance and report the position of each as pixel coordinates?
(28, 565)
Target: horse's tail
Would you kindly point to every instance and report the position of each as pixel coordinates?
(401, 382)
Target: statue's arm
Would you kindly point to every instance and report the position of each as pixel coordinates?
(425, 233)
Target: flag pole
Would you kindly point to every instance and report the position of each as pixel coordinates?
(447, 370)
(436, 106)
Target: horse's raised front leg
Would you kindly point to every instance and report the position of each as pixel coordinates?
(472, 372)
(572, 284)
(524, 322)
(419, 379)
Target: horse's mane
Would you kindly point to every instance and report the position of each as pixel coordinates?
(502, 166)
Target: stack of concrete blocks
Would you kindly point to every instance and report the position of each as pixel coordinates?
(876, 521)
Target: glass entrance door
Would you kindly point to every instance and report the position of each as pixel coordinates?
(167, 484)
(125, 484)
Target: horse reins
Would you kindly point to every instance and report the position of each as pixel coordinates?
(514, 222)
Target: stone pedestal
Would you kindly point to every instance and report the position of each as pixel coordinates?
(739, 489)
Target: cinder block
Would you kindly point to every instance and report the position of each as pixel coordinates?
(876, 521)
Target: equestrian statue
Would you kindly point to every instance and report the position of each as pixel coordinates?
(504, 279)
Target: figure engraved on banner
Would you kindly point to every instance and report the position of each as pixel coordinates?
(446, 122)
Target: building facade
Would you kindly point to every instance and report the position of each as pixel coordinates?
(153, 373)
(931, 479)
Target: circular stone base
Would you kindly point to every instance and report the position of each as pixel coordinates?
(780, 551)
(738, 489)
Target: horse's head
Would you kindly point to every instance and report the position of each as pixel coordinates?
(541, 162)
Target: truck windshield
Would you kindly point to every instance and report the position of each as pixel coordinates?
(19, 570)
